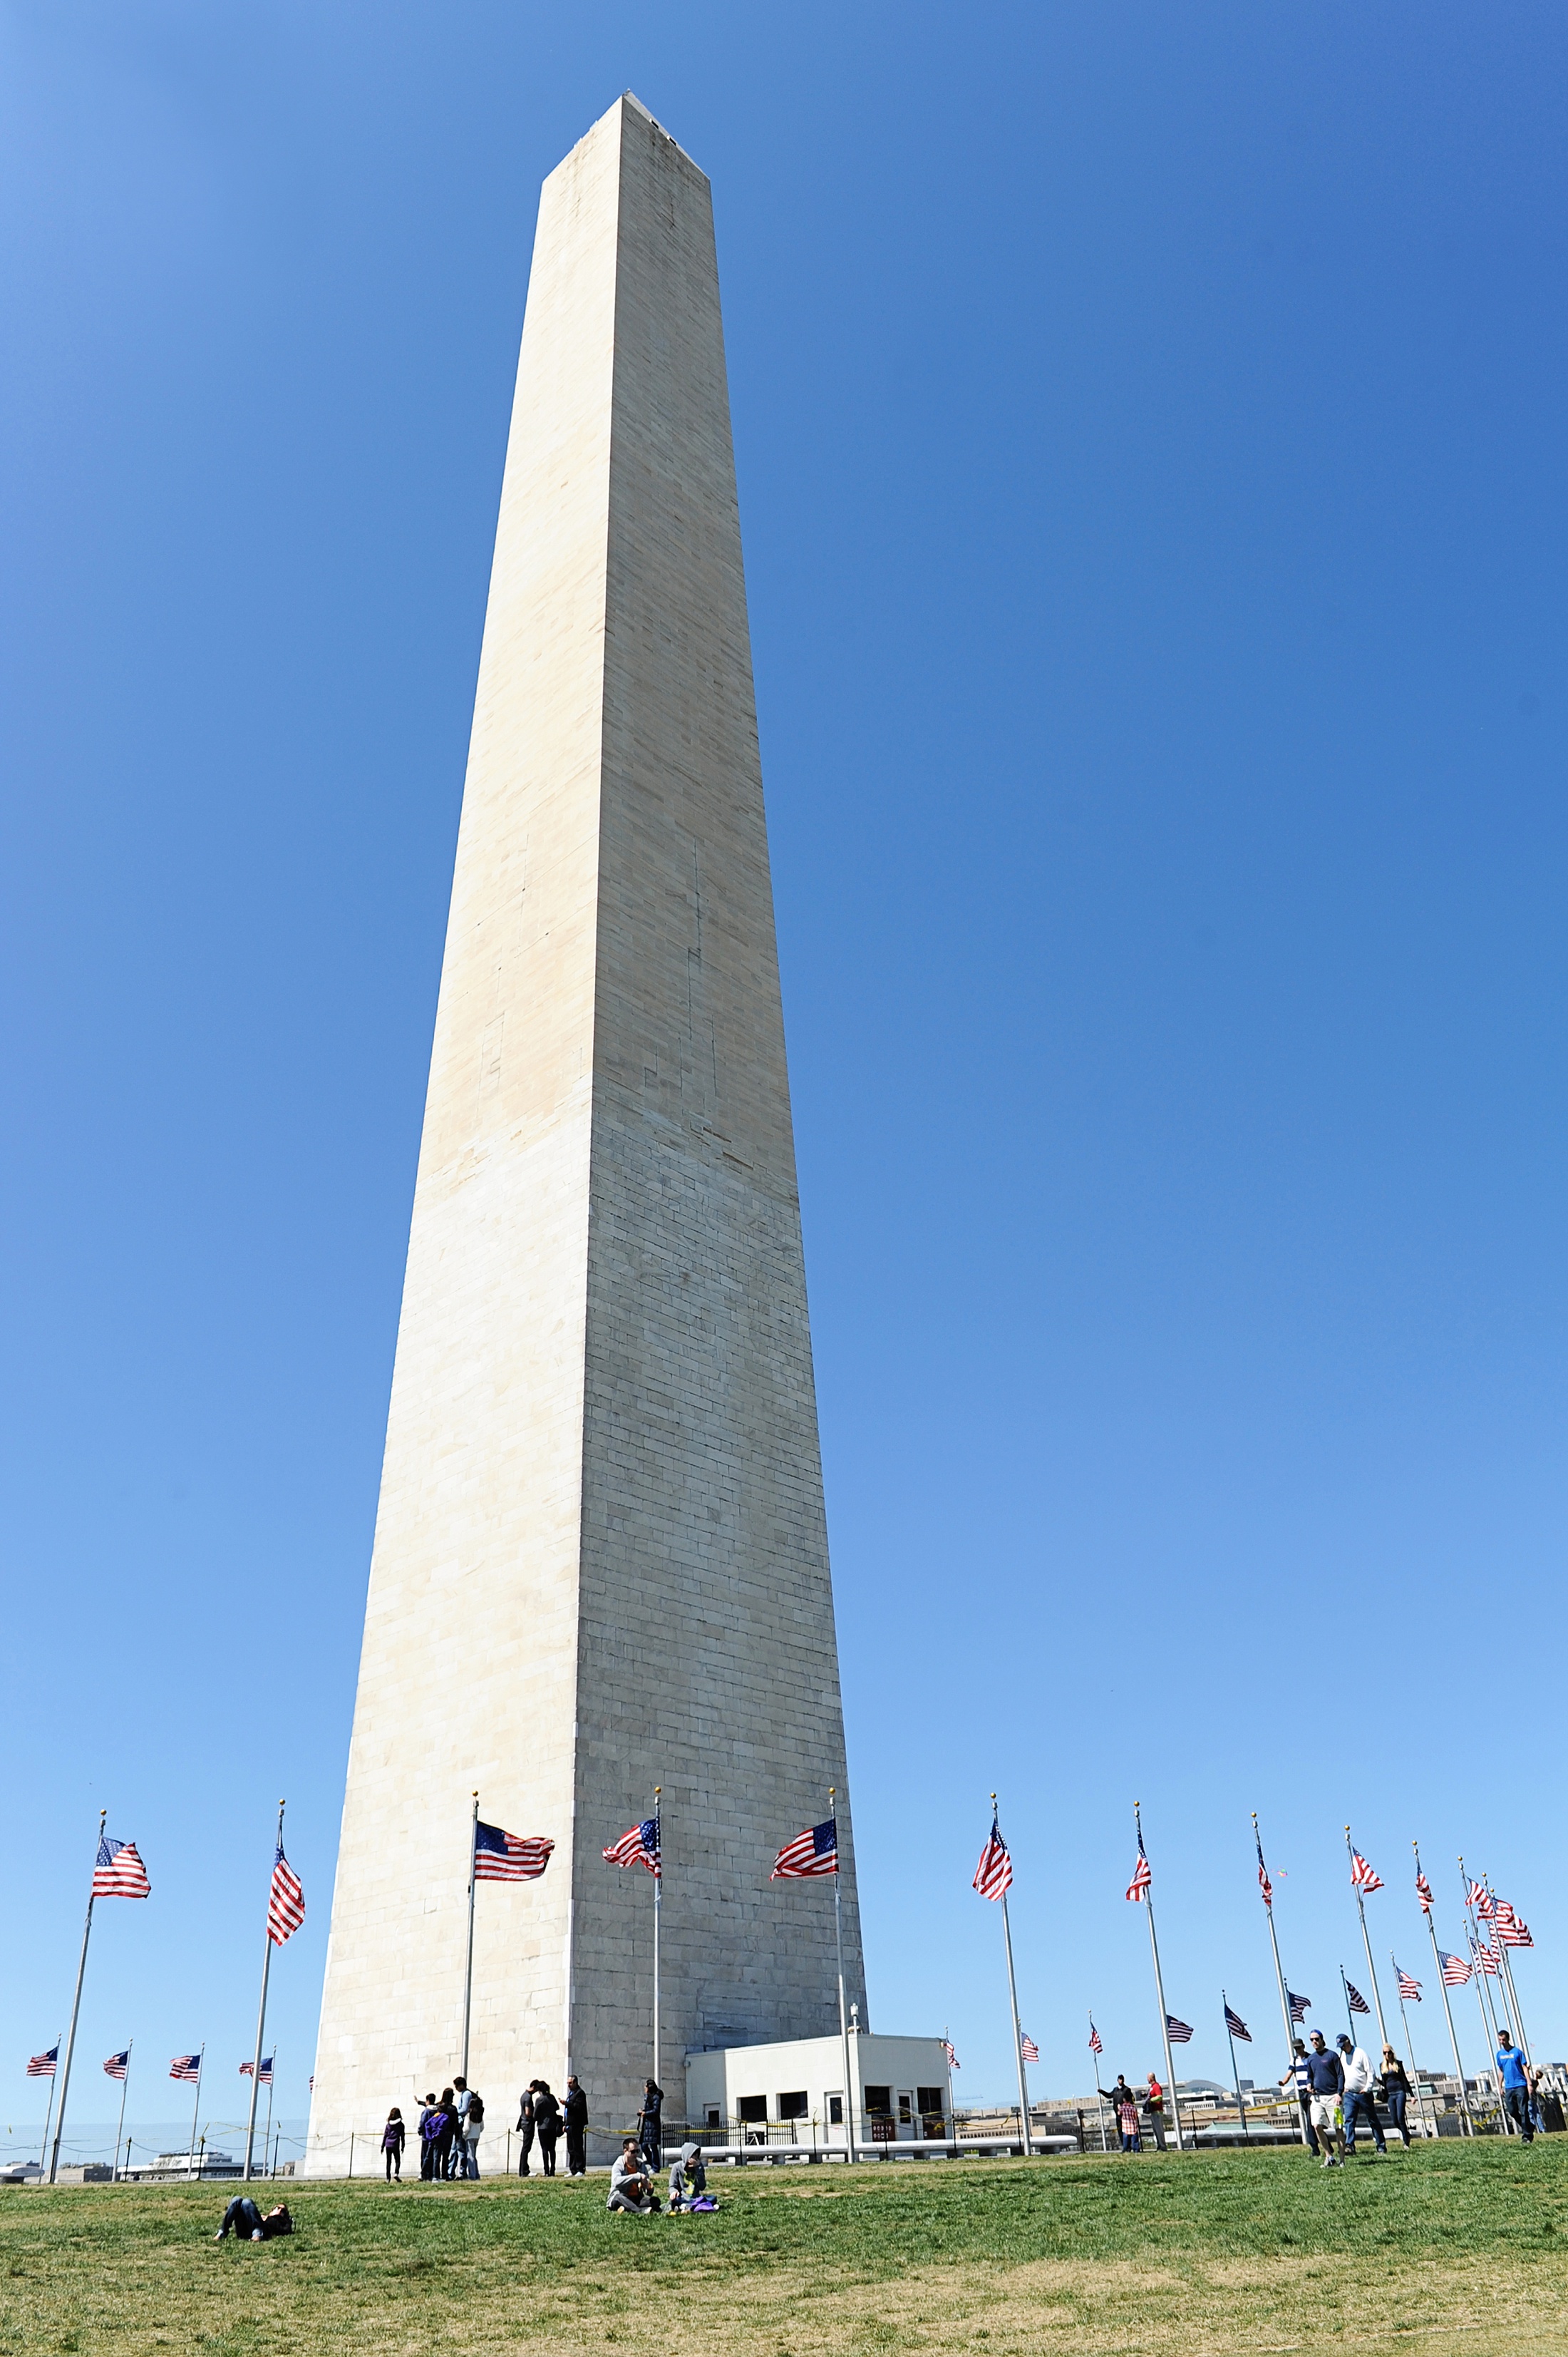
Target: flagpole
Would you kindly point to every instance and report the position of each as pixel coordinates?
(261, 2020)
(1017, 2032)
(658, 1910)
(468, 1959)
(75, 2009)
(1483, 1998)
(196, 2112)
(49, 2106)
(267, 2135)
(1502, 1946)
(1159, 1987)
(125, 2089)
(1236, 2069)
(1350, 2017)
(1447, 2009)
(1098, 2098)
(1284, 1993)
(844, 2018)
(1409, 2040)
(1367, 1944)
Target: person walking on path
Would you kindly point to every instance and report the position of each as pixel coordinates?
(1515, 2082)
(547, 2125)
(1396, 2092)
(649, 2127)
(1358, 2103)
(1125, 2104)
(525, 2127)
(1326, 2075)
(631, 2186)
(576, 2116)
(1155, 2110)
(393, 2143)
(1299, 2077)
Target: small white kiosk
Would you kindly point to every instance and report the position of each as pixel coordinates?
(790, 2100)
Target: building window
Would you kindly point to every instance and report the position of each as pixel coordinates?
(930, 2099)
(753, 2108)
(793, 2106)
(835, 2110)
(712, 2119)
(879, 2099)
(905, 2114)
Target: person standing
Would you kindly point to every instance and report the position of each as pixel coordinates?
(576, 2117)
(547, 2125)
(1515, 2082)
(393, 2143)
(1125, 2104)
(427, 2137)
(470, 2128)
(1396, 2092)
(1357, 2067)
(445, 2121)
(525, 2127)
(649, 2127)
(1155, 2111)
(1300, 2078)
(1326, 2075)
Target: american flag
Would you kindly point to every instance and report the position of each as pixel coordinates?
(1486, 1960)
(1356, 2001)
(286, 1901)
(953, 2063)
(1362, 1875)
(1456, 1971)
(509, 1857)
(1236, 2026)
(119, 1872)
(1264, 1884)
(1096, 2045)
(42, 2066)
(639, 1845)
(1141, 1879)
(263, 2076)
(186, 2066)
(1031, 2051)
(1410, 1991)
(1178, 2032)
(1481, 1899)
(816, 1851)
(1299, 2007)
(994, 1875)
(1511, 1927)
(1423, 1892)
(118, 2064)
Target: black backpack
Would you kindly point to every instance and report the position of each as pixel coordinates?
(476, 2111)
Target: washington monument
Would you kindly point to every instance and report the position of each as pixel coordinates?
(600, 1559)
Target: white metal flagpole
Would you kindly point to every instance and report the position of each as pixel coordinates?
(1267, 1889)
(260, 2016)
(1366, 1941)
(1236, 2069)
(75, 2007)
(1098, 2098)
(1159, 1985)
(125, 2089)
(849, 2089)
(196, 2107)
(49, 2106)
(1483, 1998)
(658, 1910)
(1410, 2046)
(1502, 1948)
(468, 1958)
(1422, 1890)
(1017, 2032)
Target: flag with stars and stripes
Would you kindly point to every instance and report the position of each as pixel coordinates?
(953, 2063)
(1358, 2003)
(286, 1901)
(816, 1851)
(119, 1872)
(638, 1846)
(1143, 1880)
(1179, 2032)
(1235, 2025)
(187, 2067)
(1410, 1991)
(1456, 1971)
(1511, 1929)
(118, 2064)
(994, 1875)
(42, 2066)
(1423, 1892)
(1299, 2007)
(1362, 1875)
(264, 2077)
(1096, 2045)
(501, 1857)
(1485, 1959)
(1264, 1884)
(1481, 1899)
(1031, 2051)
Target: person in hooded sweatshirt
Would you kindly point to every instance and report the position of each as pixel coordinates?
(688, 2178)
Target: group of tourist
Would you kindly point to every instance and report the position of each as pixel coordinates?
(632, 2187)
(1130, 2110)
(451, 2125)
(1339, 2090)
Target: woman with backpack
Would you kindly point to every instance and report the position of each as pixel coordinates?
(471, 2127)
(547, 2125)
(392, 2144)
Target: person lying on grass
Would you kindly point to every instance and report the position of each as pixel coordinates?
(242, 2218)
(631, 2186)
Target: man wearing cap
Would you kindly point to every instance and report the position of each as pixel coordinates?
(1358, 2103)
(1326, 2076)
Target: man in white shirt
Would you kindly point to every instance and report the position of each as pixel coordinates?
(1359, 2080)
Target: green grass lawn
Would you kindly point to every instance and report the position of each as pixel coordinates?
(1450, 2247)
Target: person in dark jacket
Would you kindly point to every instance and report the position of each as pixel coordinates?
(441, 2130)
(525, 2126)
(427, 2139)
(649, 2126)
(1395, 2084)
(393, 2136)
(1125, 2104)
(1326, 2076)
(242, 2218)
(576, 2116)
(547, 2125)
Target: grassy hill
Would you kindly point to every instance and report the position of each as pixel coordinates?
(1450, 2247)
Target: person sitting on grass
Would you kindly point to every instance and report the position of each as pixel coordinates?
(631, 2186)
(688, 2178)
(243, 2219)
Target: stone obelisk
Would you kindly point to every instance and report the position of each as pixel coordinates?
(600, 1559)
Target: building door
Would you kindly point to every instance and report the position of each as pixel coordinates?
(909, 2125)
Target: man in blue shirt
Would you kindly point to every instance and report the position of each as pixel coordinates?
(1515, 2080)
(1326, 2076)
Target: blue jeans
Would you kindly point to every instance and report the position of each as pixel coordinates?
(1355, 2107)
(1518, 2101)
(242, 2217)
(1395, 2099)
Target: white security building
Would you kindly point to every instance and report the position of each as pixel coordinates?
(792, 2094)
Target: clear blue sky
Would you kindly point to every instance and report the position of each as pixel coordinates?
(1150, 430)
